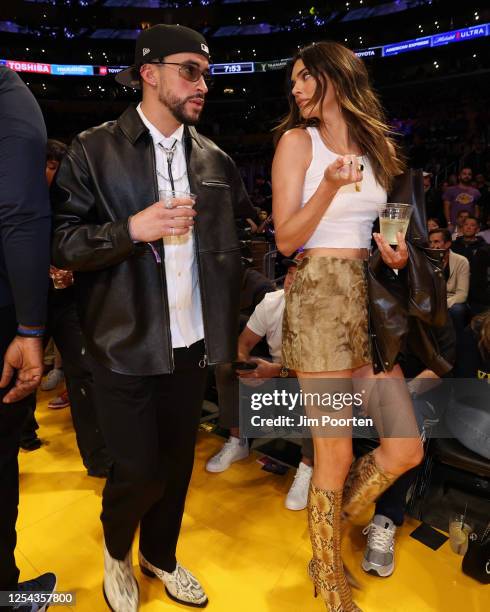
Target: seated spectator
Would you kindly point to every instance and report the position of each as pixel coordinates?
(461, 197)
(469, 422)
(379, 555)
(457, 272)
(469, 242)
(460, 219)
(266, 321)
(474, 361)
(432, 223)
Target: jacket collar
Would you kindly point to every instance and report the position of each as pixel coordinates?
(133, 128)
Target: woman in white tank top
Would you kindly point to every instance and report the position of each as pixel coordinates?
(333, 165)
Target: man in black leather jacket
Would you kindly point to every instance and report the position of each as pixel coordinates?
(158, 290)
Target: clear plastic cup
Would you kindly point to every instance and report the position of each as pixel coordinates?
(458, 534)
(171, 199)
(394, 218)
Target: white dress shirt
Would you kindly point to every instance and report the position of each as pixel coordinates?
(184, 298)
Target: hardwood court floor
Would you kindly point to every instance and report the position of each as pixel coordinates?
(247, 549)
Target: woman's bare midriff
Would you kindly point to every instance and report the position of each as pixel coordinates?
(340, 253)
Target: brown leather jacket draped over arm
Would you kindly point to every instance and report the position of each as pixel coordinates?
(414, 300)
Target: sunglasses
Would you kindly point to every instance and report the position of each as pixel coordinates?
(189, 72)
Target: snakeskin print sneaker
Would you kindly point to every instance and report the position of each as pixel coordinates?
(180, 585)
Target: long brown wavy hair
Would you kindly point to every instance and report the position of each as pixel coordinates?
(360, 106)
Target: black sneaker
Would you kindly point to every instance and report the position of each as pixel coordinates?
(46, 583)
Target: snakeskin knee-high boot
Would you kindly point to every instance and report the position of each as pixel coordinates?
(326, 569)
(365, 483)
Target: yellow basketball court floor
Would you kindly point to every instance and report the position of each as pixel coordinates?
(249, 552)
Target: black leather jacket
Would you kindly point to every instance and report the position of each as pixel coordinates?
(406, 307)
(109, 174)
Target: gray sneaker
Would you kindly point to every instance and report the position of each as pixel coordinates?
(379, 556)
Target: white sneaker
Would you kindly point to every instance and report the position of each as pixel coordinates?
(180, 585)
(53, 378)
(120, 587)
(297, 497)
(234, 449)
(379, 556)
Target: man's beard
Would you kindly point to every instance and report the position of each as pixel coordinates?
(177, 107)
(465, 180)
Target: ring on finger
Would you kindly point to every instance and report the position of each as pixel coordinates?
(172, 229)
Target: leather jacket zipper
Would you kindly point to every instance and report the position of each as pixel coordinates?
(159, 261)
(216, 184)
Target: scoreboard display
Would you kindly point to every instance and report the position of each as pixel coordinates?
(233, 68)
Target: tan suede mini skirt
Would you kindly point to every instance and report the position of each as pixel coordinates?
(325, 324)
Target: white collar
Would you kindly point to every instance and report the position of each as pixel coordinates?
(157, 136)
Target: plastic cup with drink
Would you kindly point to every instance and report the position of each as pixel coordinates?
(394, 218)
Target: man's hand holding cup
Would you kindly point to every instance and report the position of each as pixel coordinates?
(172, 215)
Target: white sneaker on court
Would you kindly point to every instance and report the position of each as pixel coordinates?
(234, 449)
(297, 496)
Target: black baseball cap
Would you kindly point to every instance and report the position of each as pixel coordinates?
(158, 42)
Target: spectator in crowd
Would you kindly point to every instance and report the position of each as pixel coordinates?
(55, 152)
(469, 242)
(460, 219)
(461, 197)
(379, 555)
(469, 421)
(474, 360)
(432, 223)
(254, 287)
(24, 263)
(457, 272)
(265, 322)
(64, 327)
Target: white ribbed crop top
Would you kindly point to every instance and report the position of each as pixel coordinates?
(347, 223)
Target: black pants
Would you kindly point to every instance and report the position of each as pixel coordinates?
(149, 424)
(12, 417)
(393, 501)
(64, 326)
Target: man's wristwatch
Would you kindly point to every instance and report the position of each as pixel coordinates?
(284, 372)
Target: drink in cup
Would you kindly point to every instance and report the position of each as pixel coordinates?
(171, 199)
(393, 218)
(458, 534)
(177, 199)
